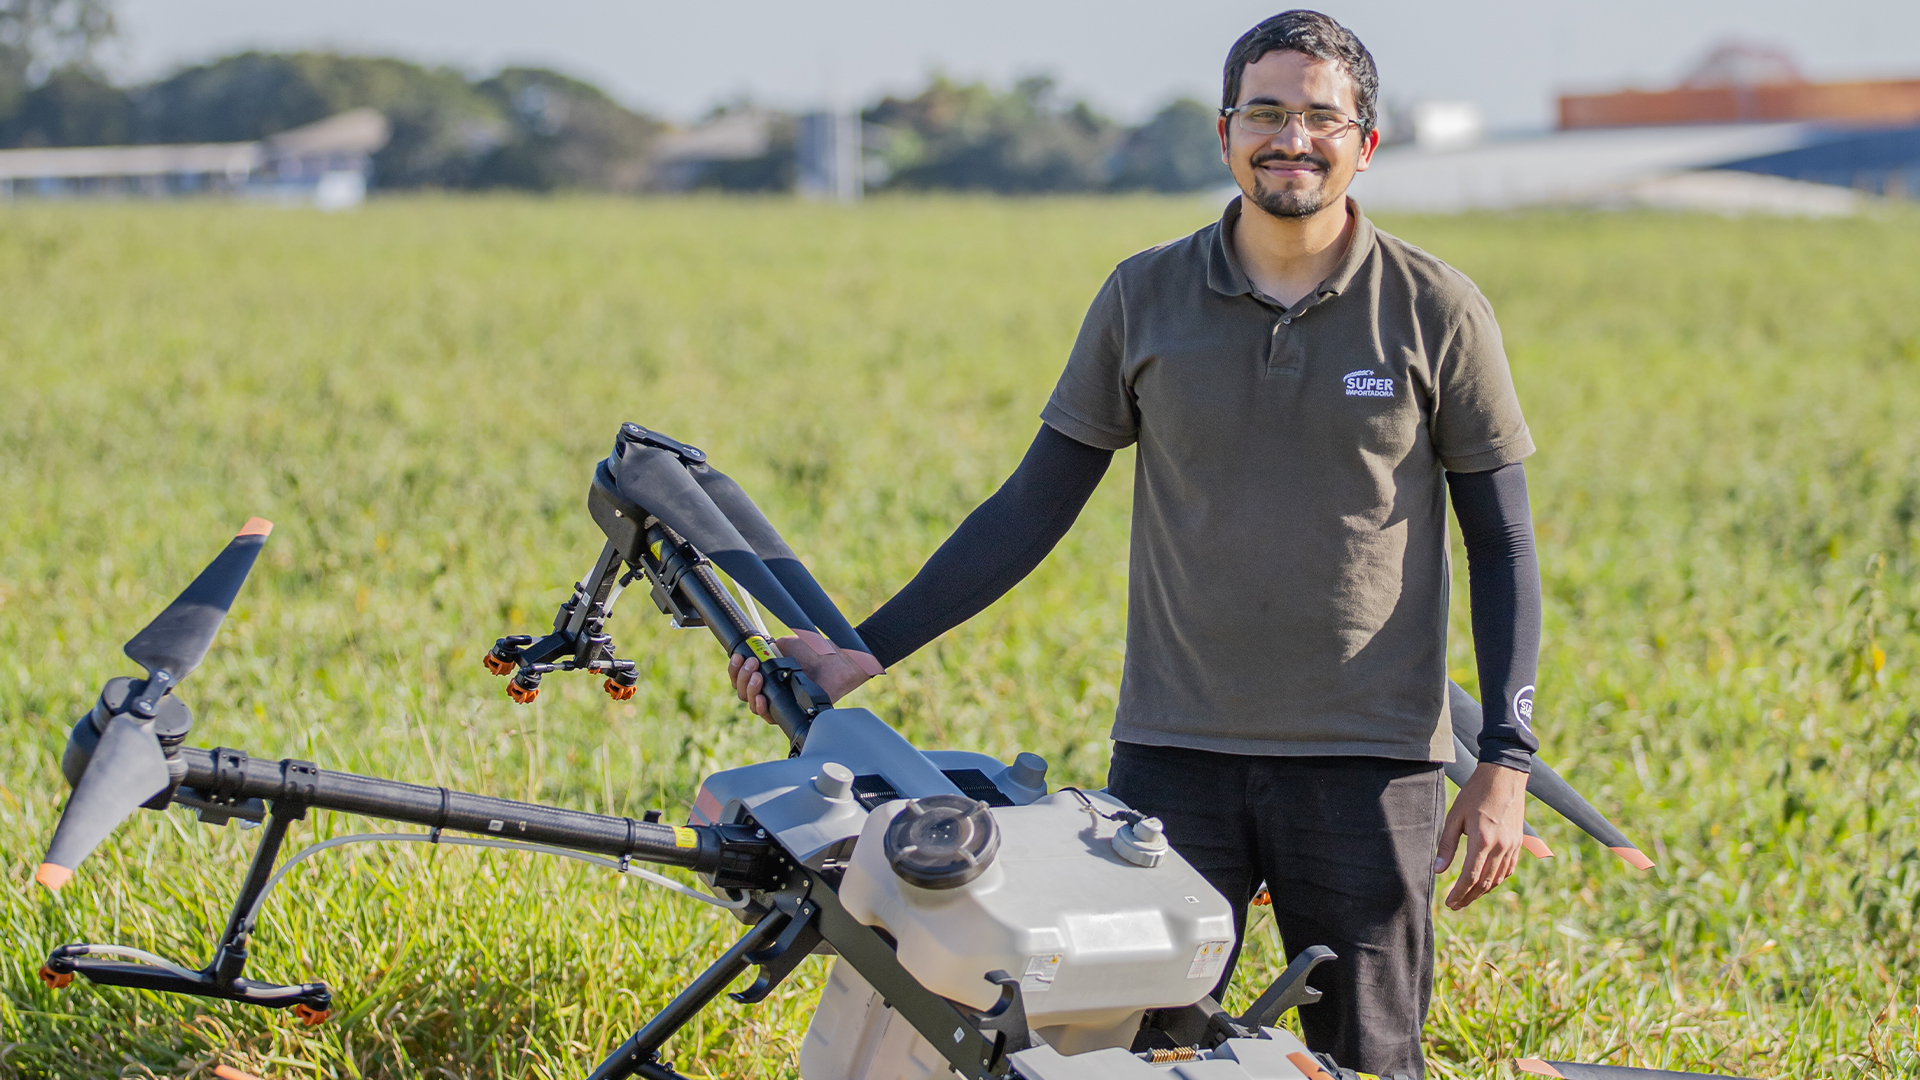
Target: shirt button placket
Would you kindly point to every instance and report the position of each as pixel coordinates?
(1277, 346)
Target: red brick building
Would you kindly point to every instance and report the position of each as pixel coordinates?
(1887, 104)
(1740, 83)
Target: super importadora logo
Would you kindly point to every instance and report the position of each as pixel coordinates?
(1365, 383)
(1523, 706)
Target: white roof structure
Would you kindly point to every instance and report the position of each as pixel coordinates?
(91, 162)
(356, 131)
(735, 136)
(1594, 166)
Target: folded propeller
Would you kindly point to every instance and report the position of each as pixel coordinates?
(118, 756)
(676, 483)
(1542, 783)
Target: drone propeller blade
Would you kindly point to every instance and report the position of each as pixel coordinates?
(657, 480)
(1545, 784)
(177, 638)
(739, 509)
(1575, 1071)
(1460, 770)
(128, 768)
(1532, 841)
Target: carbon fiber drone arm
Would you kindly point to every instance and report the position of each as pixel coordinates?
(225, 777)
(224, 783)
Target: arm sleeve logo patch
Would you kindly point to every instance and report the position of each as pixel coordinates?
(1365, 383)
(1523, 707)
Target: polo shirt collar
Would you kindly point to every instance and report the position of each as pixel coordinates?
(1225, 276)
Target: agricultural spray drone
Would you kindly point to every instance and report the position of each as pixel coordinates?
(984, 927)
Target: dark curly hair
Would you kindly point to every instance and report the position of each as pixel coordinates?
(1315, 35)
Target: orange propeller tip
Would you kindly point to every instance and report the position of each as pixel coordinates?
(1633, 857)
(1536, 1067)
(1308, 1066)
(257, 526)
(52, 876)
(1536, 847)
(228, 1072)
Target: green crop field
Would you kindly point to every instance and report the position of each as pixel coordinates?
(1727, 489)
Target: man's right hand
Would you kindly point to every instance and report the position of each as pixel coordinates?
(836, 674)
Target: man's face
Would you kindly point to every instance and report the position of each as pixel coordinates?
(1292, 174)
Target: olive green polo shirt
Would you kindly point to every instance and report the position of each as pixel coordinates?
(1288, 571)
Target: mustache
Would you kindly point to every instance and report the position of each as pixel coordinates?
(1314, 160)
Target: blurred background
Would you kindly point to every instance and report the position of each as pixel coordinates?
(1714, 103)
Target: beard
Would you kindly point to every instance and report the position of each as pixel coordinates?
(1293, 203)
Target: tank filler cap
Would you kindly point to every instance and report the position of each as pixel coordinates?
(942, 841)
(1025, 780)
(1029, 770)
(834, 782)
(1142, 843)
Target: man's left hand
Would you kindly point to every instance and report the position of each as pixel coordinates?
(1490, 812)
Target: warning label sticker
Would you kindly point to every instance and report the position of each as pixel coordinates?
(1038, 978)
(1209, 959)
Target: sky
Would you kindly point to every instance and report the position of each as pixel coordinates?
(1127, 57)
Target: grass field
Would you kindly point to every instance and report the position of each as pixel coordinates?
(1727, 492)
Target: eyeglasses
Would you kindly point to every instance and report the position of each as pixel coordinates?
(1272, 120)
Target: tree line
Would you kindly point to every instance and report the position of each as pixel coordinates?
(539, 130)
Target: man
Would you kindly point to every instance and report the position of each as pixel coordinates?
(1303, 389)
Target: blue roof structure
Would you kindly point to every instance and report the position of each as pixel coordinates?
(1884, 161)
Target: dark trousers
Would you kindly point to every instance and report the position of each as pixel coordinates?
(1345, 845)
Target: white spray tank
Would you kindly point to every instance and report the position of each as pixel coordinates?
(1099, 919)
(971, 867)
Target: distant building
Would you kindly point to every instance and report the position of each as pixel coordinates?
(128, 170)
(1447, 125)
(1862, 135)
(327, 163)
(683, 159)
(1609, 167)
(1744, 132)
(1743, 84)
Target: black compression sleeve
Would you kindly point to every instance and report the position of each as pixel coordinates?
(1503, 575)
(999, 543)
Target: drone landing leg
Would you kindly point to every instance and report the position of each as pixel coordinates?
(221, 978)
(640, 1055)
(230, 958)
